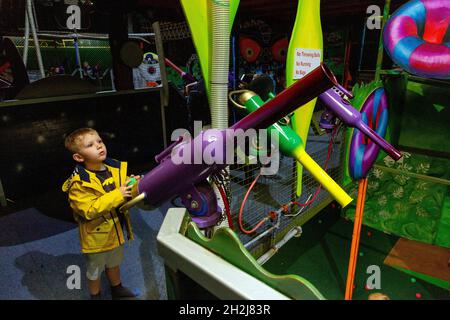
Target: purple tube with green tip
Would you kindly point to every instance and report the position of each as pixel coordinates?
(342, 108)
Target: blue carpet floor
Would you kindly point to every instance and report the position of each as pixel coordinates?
(36, 250)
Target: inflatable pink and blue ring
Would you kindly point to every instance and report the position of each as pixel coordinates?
(363, 153)
(417, 38)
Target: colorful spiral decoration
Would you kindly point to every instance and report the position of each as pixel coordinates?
(363, 153)
(417, 38)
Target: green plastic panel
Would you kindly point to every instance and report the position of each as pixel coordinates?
(227, 245)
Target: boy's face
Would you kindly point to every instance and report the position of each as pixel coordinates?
(91, 149)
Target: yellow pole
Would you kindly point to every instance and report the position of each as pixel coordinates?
(322, 177)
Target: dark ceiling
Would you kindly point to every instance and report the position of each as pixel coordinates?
(282, 9)
(278, 11)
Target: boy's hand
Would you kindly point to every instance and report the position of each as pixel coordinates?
(126, 190)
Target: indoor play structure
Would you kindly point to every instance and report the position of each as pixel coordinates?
(373, 102)
(198, 195)
(161, 177)
(360, 169)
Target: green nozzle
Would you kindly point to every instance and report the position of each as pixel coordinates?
(289, 140)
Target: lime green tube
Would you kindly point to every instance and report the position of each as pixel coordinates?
(305, 52)
(292, 145)
(197, 15)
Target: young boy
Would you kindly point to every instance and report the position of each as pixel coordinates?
(96, 189)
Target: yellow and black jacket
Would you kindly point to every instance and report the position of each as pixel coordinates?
(96, 210)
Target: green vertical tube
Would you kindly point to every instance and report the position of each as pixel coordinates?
(305, 52)
(379, 66)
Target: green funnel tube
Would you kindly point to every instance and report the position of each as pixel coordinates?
(197, 13)
(305, 52)
(292, 145)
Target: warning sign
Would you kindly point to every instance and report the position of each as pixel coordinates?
(306, 60)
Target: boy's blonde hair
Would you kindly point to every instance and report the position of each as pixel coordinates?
(71, 142)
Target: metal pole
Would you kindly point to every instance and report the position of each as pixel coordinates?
(27, 38)
(254, 240)
(294, 232)
(164, 93)
(36, 22)
(3, 200)
(387, 6)
(363, 39)
(161, 60)
(77, 56)
(35, 38)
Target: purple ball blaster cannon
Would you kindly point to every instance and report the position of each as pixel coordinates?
(188, 179)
